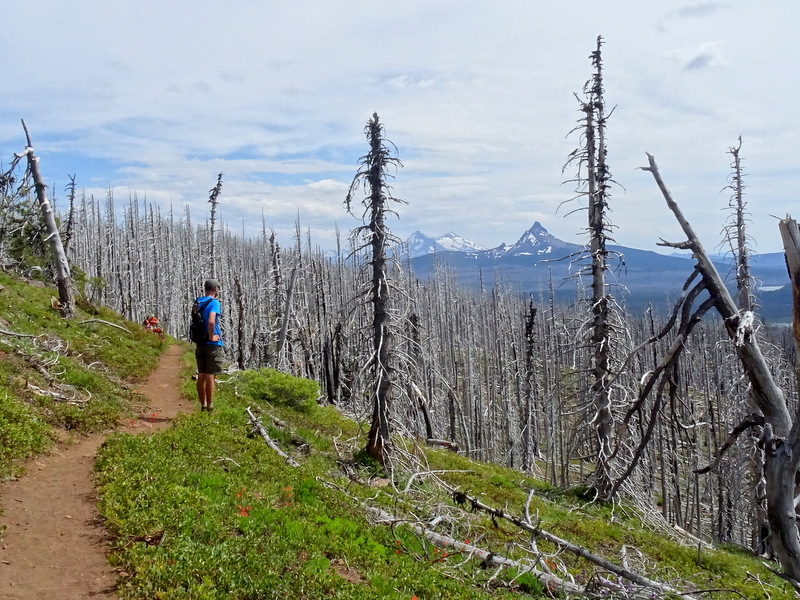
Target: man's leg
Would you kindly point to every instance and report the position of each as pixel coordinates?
(201, 389)
(214, 363)
(201, 375)
(210, 384)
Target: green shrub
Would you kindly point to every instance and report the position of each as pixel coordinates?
(281, 389)
(22, 433)
(530, 585)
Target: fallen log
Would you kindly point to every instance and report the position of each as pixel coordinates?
(14, 334)
(550, 581)
(270, 442)
(105, 323)
(462, 498)
(452, 446)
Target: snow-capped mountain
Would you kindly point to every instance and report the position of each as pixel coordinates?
(419, 244)
(533, 262)
(537, 242)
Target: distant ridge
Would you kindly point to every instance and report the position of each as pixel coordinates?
(644, 277)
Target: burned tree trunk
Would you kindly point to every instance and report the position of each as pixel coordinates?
(378, 435)
(594, 185)
(791, 247)
(213, 199)
(781, 435)
(530, 443)
(737, 234)
(66, 292)
(372, 176)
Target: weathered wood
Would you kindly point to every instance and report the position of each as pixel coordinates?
(105, 323)
(66, 292)
(781, 434)
(790, 235)
(548, 580)
(525, 525)
(452, 446)
(270, 442)
(15, 334)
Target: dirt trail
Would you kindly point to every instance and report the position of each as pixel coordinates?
(55, 544)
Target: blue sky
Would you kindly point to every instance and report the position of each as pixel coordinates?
(158, 97)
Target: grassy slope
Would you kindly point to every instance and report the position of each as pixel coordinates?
(207, 510)
(68, 375)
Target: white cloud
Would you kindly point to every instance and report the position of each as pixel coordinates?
(160, 97)
(707, 55)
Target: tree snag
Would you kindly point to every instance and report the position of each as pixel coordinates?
(781, 433)
(372, 176)
(213, 200)
(66, 292)
(594, 185)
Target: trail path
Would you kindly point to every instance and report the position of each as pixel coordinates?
(55, 544)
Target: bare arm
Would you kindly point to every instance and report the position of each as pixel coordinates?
(212, 320)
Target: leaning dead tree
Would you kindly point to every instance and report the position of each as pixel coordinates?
(780, 432)
(66, 293)
(372, 178)
(791, 247)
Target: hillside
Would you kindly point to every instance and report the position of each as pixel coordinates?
(206, 509)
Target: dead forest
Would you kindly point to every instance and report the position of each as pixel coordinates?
(502, 376)
(658, 403)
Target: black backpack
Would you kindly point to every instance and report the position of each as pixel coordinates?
(198, 330)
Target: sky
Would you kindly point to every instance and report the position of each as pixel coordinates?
(156, 98)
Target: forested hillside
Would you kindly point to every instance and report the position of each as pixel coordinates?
(209, 509)
(502, 378)
(685, 411)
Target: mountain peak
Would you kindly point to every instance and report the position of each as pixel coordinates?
(419, 244)
(536, 241)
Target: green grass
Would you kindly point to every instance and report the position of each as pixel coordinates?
(71, 374)
(22, 434)
(207, 510)
(235, 521)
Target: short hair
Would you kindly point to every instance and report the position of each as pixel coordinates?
(211, 284)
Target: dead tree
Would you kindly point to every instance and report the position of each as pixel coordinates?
(594, 185)
(791, 246)
(372, 177)
(530, 441)
(213, 199)
(66, 292)
(736, 231)
(781, 433)
(240, 345)
(71, 214)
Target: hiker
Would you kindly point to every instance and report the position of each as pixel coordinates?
(209, 352)
(151, 324)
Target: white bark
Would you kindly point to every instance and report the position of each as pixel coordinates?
(66, 293)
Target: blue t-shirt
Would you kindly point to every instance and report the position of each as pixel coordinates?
(212, 306)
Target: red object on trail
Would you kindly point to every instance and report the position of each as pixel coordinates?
(151, 324)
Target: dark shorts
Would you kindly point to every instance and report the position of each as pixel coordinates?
(209, 359)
